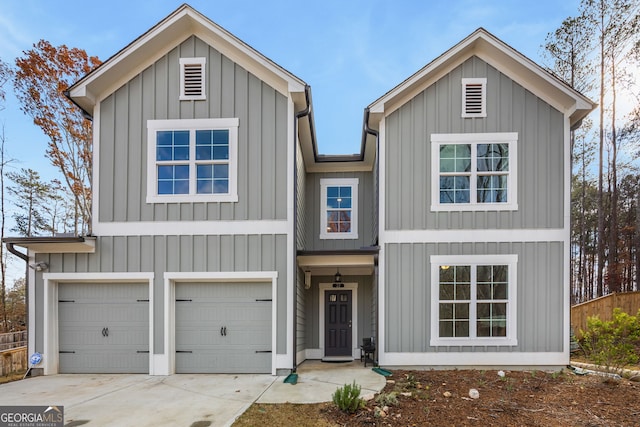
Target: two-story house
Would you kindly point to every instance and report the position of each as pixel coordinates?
(223, 241)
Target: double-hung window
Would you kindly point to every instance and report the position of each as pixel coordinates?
(192, 160)
(339, 204)
(474, 171)
(473, 300)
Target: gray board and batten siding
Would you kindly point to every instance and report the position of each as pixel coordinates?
(366, 209)
(160, 254)
(510, 108)
(540, 295)
(232, 92)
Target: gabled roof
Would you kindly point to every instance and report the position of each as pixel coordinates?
(164, 36)
(505, 59)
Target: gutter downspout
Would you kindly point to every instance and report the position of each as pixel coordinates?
(368, 131)
(293, 377)
(25, 257)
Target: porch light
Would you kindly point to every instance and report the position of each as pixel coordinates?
(338, 277)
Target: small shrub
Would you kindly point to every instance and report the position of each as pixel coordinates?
(612, 344)
(387, 399)
(347, 398)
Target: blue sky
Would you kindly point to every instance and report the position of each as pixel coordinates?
(350, 51)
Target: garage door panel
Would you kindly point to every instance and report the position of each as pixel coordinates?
(103, 328)
(223, 327)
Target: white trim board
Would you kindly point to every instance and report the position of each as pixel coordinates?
(468, 235)
(458, 359)
(192, 228)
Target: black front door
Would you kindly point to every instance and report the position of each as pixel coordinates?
(337, 335)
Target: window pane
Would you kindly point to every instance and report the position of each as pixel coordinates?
(446, 329)
(338, 221)
(484, 291)
(212, 144)
(212, 179)
(172, 145)
(455, 158)
(173, 179)
(446, 311)
(493, 157)
(462, 329)
(492, 189)
(221, 186)
(454, 189)
(221, 171)
(446, 292)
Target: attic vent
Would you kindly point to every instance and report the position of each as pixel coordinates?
(474, 94)
(192, 78)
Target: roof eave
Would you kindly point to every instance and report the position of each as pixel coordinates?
(54, 244)
(490, 49)
(159, 40)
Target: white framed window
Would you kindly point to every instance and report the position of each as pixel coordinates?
(192, 160)
(474, 97)
(339, 204)
(474, 172)
(473, 300)
(192, 79)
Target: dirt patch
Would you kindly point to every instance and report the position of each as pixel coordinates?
(523, 398)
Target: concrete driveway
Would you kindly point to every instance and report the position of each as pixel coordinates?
(180, 400)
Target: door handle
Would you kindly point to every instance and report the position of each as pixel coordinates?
(105, 332)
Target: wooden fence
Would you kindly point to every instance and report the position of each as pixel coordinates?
(14, 360)
(13, 340)
(629, 302)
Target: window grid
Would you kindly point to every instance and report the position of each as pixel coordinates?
(474, 173)
(192, 159)
(339, 208)
(473, 301)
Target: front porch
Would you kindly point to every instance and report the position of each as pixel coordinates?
(337, 304)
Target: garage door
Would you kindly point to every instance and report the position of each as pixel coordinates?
(223, 327)
(103, 328)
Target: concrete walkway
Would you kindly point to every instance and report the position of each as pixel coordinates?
(181, 400)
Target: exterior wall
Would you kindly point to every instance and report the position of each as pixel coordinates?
(154, 94)
(540, 295)
(160, 254)
(510, 108)
(366, 207)
(301, 202)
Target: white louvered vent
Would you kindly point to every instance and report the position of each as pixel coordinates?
(192, 78)
(474, 97)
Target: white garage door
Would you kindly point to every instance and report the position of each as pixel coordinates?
(103, 328)
(223, 327)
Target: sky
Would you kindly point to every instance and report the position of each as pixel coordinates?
(350, 52)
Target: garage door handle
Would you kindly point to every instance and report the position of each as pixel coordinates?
(105, 332)
(66, 352)
(223, 331)
(263, 351)
(142, 351)
(184, 351)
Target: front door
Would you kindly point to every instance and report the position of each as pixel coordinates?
(337, 339)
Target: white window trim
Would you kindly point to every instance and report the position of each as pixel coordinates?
(191, 61)
(474, 81)
(153, 126)
(342, 182)
(474, 260)
(474, 139)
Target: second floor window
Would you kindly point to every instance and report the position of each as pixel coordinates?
(192, 160)
(339, 201)
(474, 171)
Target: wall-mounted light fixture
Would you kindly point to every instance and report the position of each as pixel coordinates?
(338, 277)
(307, 279)
(39, 266)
